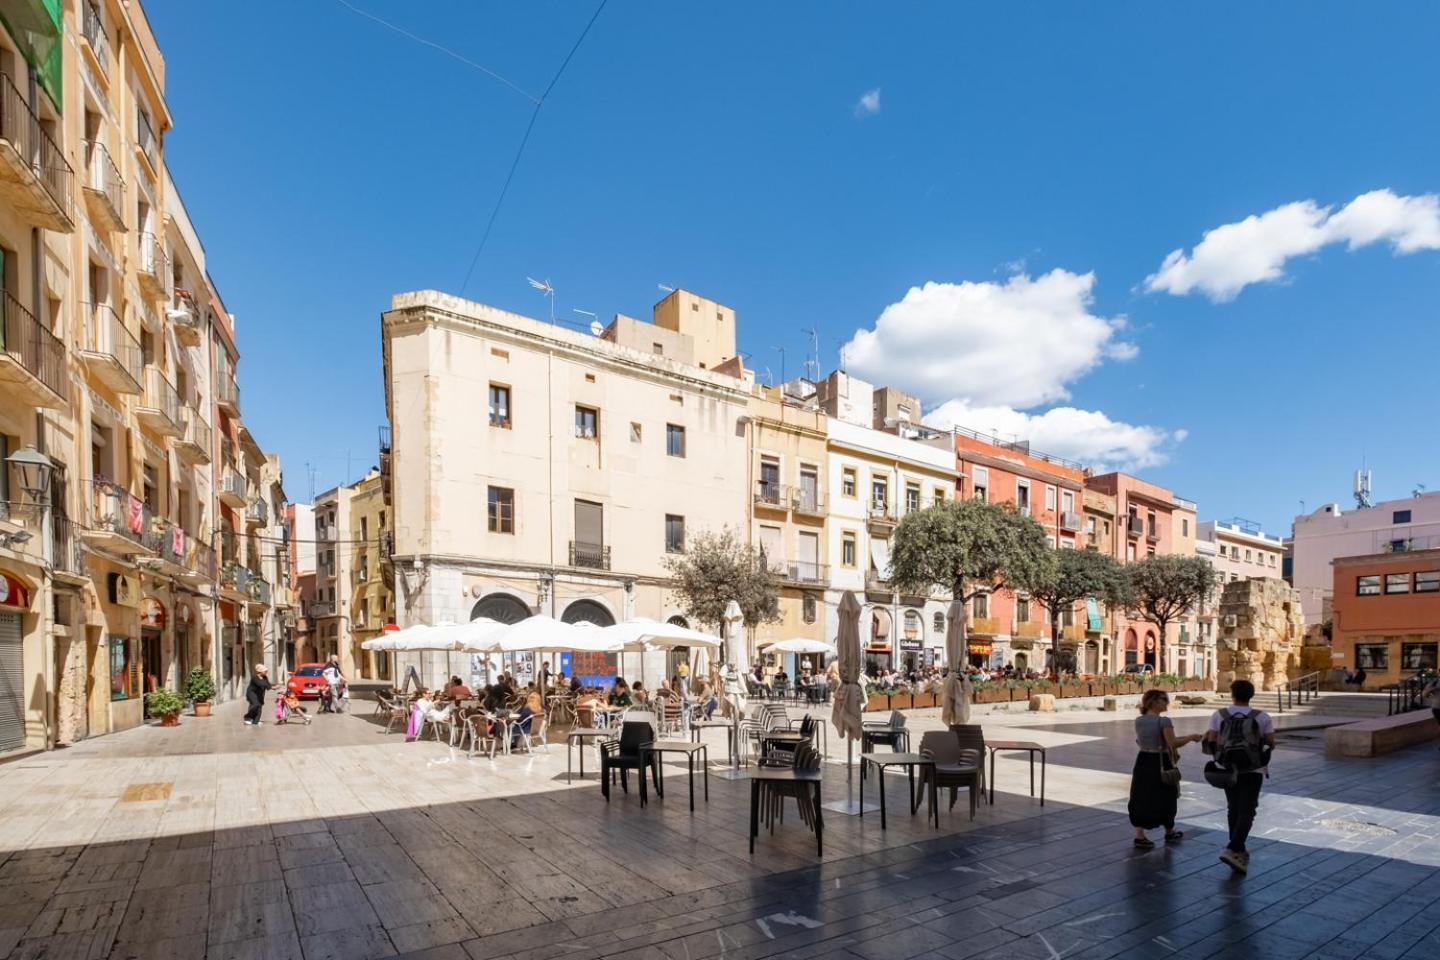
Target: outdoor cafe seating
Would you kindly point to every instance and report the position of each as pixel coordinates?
(631, 751)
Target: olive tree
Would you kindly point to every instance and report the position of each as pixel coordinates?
(969, 547)
(717, 567)
(1162, 588)
(1076, 575)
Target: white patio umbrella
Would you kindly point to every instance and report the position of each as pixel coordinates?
(477, 636)
(955, 708)
(849, 699)
(543, 634)
(801, 645)
(640, 634)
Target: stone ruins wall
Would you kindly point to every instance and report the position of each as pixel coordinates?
(1260, 633)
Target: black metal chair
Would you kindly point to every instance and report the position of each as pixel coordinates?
(631, 751)
(891, 733)
(955, 767)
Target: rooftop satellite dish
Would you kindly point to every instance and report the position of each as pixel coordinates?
(596, 327)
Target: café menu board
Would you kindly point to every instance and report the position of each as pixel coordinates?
(601, 667)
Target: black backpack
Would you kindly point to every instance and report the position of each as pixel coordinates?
(1239, 745)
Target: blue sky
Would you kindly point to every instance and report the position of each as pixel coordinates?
(1034, 163)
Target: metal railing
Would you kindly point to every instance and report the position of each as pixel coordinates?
(1297, 692)
(805, 571)
(1134, 526)
(1403, 696)
(20, 125)
(228, 391)
(197, 431)
(804, 500)
(881, 511)
(105, 333)
(259, 589)
(145, 135)
(232, 483)
(103, 176)
(1069, 520)
(36, 349)
(160, 394)
(257, 510)
(114, 510)
(768, 492)
(92, 28)
(593, 555)
(321, 609)
(69, 558)
(154, 260)
(234, 576)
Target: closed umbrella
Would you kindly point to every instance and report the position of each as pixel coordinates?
(849, 699)
(955, 707)
(737, 662)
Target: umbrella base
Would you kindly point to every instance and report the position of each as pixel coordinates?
(850, 808)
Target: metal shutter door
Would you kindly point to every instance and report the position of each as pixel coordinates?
(12, 684)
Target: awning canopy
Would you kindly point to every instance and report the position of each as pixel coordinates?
(880, 557)
(1092, 613)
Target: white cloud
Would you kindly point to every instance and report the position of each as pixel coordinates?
(1088, 437)
(1256, 249)
(869, 103)
(1016, 342)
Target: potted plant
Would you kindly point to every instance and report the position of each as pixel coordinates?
(200, 688)
(165, 704)
(876, 699)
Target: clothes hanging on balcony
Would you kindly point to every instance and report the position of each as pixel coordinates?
(134, 514)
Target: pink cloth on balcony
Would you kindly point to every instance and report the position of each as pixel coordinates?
(135, 515)
(177, 541)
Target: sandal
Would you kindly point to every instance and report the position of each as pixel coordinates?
(1144, 843)
(1174, 836)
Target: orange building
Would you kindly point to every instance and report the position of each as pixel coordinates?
(1386, 613)
(1004, 627)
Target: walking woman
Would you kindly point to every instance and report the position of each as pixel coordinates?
(255, 694)
(1152, 800)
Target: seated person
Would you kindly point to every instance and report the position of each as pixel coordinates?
(638, 695)
(533, 701)
(457, 690)
(575, 686)
(586, 706)
(496, 697)
(667, 692)
(620, 694)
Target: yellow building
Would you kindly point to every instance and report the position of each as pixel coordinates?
(371, 603)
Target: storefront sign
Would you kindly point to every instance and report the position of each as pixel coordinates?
(152, 613)
(123, 590)
(979, 648)
(914, 645)
(13, 592)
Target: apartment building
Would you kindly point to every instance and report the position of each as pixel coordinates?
(1328, 533)
(372, 605)
(788, 509)
(328, 625)
(108, 384)
(599, 457)
(875, 478)
(1052, 491)
(1386, 613)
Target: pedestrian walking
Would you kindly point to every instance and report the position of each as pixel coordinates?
(1155, 781)
(255, 694)
(1241, 738)
(682, 670)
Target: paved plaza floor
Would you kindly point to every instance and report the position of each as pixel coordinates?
(338, 840)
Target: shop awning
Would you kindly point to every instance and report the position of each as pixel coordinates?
(13, 592)
(880, 557)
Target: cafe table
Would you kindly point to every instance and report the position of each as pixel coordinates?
(581, 735)
(1025, 746)
(907, 760)
(691, 751)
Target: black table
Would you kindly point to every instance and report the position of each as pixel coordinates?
(581, 734)
(1027, 746)
(907, 760)
(729, 725)
(760, 775)
(690, 749)
(869, 733)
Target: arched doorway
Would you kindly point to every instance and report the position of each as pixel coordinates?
(1022, 663)
(587, 611)
(500, 607)
(1092, 657)
(877, 650)
(679, 655)
(1132, 647)
(1151, 652)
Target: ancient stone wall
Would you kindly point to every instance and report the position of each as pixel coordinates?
(1260, 633)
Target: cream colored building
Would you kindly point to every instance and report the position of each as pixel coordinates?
(598, 457)
(111, 369)
(372, 605)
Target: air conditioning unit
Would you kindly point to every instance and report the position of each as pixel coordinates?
(1230, 621)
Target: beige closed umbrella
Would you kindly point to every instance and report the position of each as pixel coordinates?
(955, 707)
(849, 699)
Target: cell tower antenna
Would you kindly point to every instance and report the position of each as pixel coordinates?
(812, 360)
(1362, 488)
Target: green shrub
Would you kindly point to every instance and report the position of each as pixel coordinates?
(163, 702)
(200, 685)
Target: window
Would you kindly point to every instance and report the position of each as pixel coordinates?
(1184, 526)
(1367, 586)
(940, 496)
(981, 605)
(1150, 527)
(808, 608)
(1022, 609)
(939, 622)
(1272, 558)
(1397, 583)
(980, 483)
(502, 510)
(1067, 501)
(912, 497)
(674, 440)
(499, 406)
(1247, 556)
(912, 624)
(1022, 497)
(1427, 581)
(636, 432)
(1400, 516)
(364, 528)
(1372, 656)
(847, 481)
(770, 480)
(1417, 656)
(587, 423)
(121, 687)
(1234, 553)
(847, 549)
(879, 493)
(674, 533)
(1049, 498)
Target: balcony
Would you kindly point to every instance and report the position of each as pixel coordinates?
(1029, 629)
(1074, 633)
(805, 502)
(1070, 520)
(233, 489)
(119, 523)
(592, 555)
(1152, 534)
(69, 558)
(35, 180)
(769, 495)
(1134, 526)
(880, 517)
(32, 361)
(111, 353)
(193, 446)
(257, 514)
(104, 187)
(805, 571)
(317, 610)
(983, 627)
(147, 144)
(183, 556)
(155, 274)
(361, 574)
(234, 582)
(97, 44)
(875, 583)
(227, 395)
(257, 590)
(159, 409)
(184, 317)
(1092, 540)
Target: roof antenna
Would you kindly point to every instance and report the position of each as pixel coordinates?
(812, 361)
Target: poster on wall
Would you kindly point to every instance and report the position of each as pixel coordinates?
(152, 613)
(13, 593)
(122, 590)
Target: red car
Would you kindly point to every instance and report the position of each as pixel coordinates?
(307, 680)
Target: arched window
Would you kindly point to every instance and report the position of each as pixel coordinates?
(679, 621)
(912, 624)
(500, 607)
(587, 611)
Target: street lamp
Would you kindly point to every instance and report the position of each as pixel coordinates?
(35, 471)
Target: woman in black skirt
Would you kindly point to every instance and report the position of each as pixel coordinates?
(1152, 800)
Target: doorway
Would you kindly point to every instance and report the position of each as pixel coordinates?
(151, 660)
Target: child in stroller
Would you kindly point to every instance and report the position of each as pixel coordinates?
(288, 707)
(335, 697)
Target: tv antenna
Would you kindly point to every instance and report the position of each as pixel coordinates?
(665, 288)
(782, 363)
(1419, 489)
(812, 360)
(842, 344)
(596, 327)
(547, 289)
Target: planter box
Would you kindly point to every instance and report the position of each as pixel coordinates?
(926, 700)
(992, 696)
(900, 701)
(877, 701)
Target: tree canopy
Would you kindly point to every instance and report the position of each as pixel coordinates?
(1162, 588)
(969, 547)
(717, 567)
(1076, 575)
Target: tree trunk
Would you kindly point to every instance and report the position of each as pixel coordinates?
(1055, 644)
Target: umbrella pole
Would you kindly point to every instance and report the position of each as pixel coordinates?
(849, 806)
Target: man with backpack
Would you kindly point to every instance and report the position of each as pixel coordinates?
(1241, 739)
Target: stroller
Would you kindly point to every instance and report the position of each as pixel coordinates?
(335, 698)
(288, 707)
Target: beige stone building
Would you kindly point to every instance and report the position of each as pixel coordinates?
(596, 458)
(351, 600)
(116, 376)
